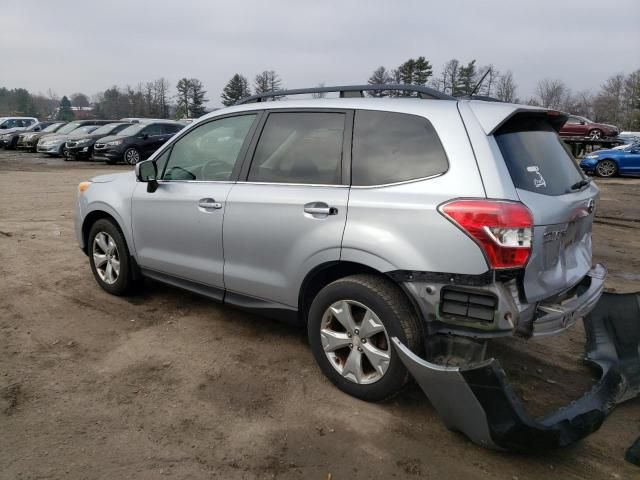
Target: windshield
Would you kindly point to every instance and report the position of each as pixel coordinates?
(68, 128)
(133, 129)
(536, 158)
(106, 129)
(79, 132)
(53, 127)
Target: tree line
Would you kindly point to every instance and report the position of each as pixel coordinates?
(616, 101)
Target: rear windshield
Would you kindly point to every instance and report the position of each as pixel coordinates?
(536, 158)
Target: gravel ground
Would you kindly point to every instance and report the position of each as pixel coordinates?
(166, 383)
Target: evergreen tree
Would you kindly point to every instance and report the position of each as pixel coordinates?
(64, 111)
(196, 98)
(422, 71)
(466, 79)
(182, 99)
(237, 88)
(380, 76)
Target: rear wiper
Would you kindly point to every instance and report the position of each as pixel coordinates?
(582, 183)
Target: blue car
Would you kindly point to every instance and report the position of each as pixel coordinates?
(608, 163)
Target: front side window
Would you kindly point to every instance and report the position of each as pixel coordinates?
(210, 151)
(300, 147)
(394, 147)
(153, 130)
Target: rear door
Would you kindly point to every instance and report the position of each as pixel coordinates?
(549, 182)
(289, 213)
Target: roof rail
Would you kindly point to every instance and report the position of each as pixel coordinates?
(347, 91)
(484, 98)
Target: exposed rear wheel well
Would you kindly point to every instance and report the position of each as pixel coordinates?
(324, 274)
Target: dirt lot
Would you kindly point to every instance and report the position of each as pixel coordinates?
(169, 384)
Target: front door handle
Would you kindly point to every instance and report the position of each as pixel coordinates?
(209, 204)
(320, 208)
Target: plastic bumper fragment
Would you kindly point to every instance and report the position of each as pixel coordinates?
(478, 401)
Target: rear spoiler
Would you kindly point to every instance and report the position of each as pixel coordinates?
(493, 115)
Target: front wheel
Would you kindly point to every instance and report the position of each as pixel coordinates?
(109, 258)
(351, 323)
(606, 168)
(595, 134)
(131, 156)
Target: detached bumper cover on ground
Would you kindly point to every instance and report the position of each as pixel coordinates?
(479, 402)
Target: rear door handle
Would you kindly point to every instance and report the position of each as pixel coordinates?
(209, 204)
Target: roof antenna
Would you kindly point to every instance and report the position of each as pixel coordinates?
(475, 89)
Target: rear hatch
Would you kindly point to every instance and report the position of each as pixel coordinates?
(550, 183)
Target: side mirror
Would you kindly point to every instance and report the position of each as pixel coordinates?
(147, 172)
(145, 136)
(582, 122)
(3, 127)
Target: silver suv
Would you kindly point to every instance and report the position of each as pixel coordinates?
(434, 222)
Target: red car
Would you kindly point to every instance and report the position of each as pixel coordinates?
(583, 127)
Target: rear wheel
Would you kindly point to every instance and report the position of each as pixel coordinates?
(595, 134)
(606, 168)
(351, 323)
(131, 156)
(109, 258)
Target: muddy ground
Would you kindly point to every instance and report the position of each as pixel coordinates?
(166, 384)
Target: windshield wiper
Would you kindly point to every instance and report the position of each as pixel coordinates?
(582, 183)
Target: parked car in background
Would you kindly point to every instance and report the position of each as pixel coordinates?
(583, 127)
(612, 162)
(628, 138)
(135, 143)
(81, 148)
(10, 140)
(53, 144)
(29, 140)
(12, 124)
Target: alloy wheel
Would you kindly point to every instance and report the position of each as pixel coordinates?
(132, 156)
(106, 258)
(595, 134)
(606, 168)
(355, 341)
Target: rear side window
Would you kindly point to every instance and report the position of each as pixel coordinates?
(394, 147)
(536, 157)
(300, 147)
(171, 128)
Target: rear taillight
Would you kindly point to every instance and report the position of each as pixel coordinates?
(502, 228)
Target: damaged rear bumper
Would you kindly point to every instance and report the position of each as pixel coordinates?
(478, 401)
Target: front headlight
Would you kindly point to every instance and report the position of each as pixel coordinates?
(114, 143)
(591, 156)
(84, 141)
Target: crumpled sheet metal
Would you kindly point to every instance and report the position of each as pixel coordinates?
(479, 402)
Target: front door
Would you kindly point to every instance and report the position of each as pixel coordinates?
(290, 213)
(178, 228)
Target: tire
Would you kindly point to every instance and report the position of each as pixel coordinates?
(131, 156)
(595, 134)
(124, 282)
(390, 307)
(606, 168)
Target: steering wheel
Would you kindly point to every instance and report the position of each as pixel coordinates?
(216, 170)
(184, 173)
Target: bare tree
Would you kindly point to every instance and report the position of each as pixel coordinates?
(551, 93)
(506, 87)
(450, 76)
(319, 94)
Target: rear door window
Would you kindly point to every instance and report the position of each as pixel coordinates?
(537, 159)
(393, 147)
(300, 147)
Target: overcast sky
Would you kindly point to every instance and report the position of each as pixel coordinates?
(88, 46)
